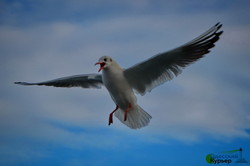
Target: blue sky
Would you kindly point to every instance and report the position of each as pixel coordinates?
(204, 110)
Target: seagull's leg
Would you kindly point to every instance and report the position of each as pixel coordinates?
(111, 115)
(126, 112)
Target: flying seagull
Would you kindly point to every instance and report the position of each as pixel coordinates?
(141, 78)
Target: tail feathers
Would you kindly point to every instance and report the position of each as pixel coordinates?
(136, 117)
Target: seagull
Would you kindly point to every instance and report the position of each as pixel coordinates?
(122, 84)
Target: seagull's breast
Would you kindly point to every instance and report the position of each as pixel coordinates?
(118, 87)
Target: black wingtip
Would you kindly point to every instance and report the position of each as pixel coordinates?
(23, 83)
(217, 24)
(219, 33)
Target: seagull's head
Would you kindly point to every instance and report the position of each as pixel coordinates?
(104, 62)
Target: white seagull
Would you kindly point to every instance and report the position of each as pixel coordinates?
(141, 78)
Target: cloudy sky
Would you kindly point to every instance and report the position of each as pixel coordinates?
(204, 110)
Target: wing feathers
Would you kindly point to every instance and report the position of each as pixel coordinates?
(143, 77)
(84, 81)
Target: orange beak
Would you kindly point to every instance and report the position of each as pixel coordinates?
(102, 64)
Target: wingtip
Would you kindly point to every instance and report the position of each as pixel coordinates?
(219, 33)
(218, 25)
(22, 83)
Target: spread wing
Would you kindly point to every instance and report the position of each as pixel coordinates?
(143, 77)
(84, 81)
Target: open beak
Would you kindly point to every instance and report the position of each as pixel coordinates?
(102, 64)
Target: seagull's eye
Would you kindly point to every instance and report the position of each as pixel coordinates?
(105, 59)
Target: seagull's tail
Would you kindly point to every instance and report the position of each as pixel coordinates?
(136, 117)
